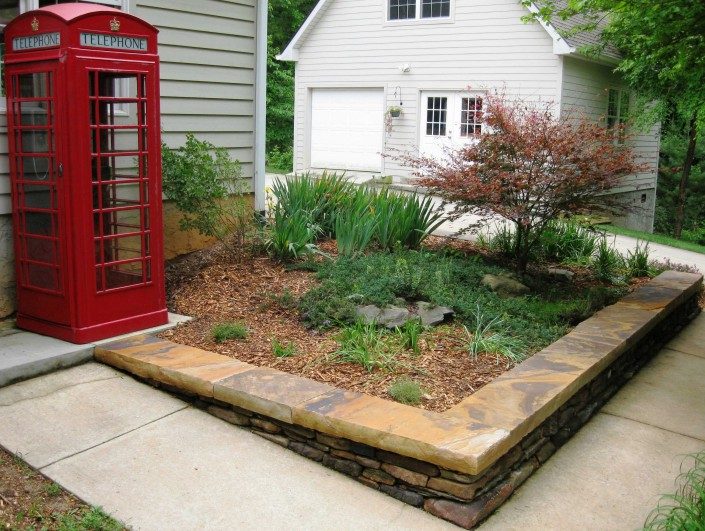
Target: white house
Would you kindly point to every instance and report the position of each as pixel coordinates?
(357, 58)
(213, 79)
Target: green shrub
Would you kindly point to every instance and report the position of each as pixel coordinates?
(200, 179)
(567, 241)
(224, 331)
(406, 391)
(637, 261)
(410, 335)
(281, 160)
(291, 235)
(365, 344)
(684, 510)
(324, 307)
(283, 350)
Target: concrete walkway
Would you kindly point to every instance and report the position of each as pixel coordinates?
(612, 473)
(154, 462)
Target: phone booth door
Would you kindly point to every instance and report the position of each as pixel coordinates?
(38, 195)
(123, 156)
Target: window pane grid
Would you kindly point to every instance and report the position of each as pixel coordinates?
(402, 9)
(435, 8)
(436, 116)
(471, 116)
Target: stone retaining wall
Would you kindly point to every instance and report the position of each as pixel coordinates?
(461, 498)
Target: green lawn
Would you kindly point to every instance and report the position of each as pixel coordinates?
(655, 238)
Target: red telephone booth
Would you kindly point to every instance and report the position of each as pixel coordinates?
(82, 85)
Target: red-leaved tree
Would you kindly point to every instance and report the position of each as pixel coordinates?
(529, 167)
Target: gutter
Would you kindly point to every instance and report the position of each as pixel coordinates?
(260, 105)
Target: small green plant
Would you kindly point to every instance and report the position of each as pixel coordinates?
(684, 510)
(406, 391)
(486, 339)
(283, 350)
(53, 489)
(291, 236)
(365, 344)
(225, 331)
(92, 520)
(200, 179)
(410, 335)
(606, 262)
(637, 261)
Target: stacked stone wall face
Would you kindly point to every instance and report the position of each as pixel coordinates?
(463, 499)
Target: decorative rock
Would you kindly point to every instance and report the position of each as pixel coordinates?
(393, 317)
(562, 275)
(368, 314)
(342, 465)
(306, 451)
(409, 463)
(412, 498)
(432, 315)
(228, 415)
(505, 286)
(407, 476)
(276, 439)
(266, 425)
(378, 476)
(466, 491)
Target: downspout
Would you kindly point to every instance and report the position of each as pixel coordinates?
(260, 104)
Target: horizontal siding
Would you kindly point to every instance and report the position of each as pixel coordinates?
(585, 89)
(485, 45)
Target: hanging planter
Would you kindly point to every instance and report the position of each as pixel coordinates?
(394, 111)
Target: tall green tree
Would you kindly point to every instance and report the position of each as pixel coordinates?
(285, 18)
(663, 48)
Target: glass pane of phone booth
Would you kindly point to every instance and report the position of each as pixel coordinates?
(31, 102)
(118, 118)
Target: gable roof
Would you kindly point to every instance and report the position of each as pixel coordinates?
(562, 45)
(582, 38)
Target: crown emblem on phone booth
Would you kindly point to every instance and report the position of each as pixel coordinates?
(35, 24)
(114, 24)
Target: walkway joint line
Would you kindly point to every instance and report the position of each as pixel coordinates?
(187, 406)
(71, 386)
(652, 426)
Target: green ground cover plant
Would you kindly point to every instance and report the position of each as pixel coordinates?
(448, 279)
(225, 331)
(283, 350)
(406, 391)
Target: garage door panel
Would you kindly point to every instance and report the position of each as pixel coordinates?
(347, 129)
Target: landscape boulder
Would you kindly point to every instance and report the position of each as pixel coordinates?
(505, 286)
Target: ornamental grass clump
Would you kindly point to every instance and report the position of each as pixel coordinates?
(367, 345)
(404, 220)
(489, 336)
(684, 510)
(406, 391)
(291, 235)
(225, 331)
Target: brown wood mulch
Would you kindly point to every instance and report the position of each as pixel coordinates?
(215, 288)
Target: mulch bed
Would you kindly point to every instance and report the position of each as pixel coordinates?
(214, 286)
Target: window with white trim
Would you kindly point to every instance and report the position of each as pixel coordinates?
(418, 9)
(618, 113)
(470, 116)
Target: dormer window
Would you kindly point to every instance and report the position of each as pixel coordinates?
(415, 9)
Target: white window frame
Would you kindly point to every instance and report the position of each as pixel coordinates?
(29, 5)
(620, 118)
(418, 18)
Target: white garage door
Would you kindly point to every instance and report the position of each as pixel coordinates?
(347, 129)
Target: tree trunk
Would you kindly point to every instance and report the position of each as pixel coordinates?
(687, 165)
